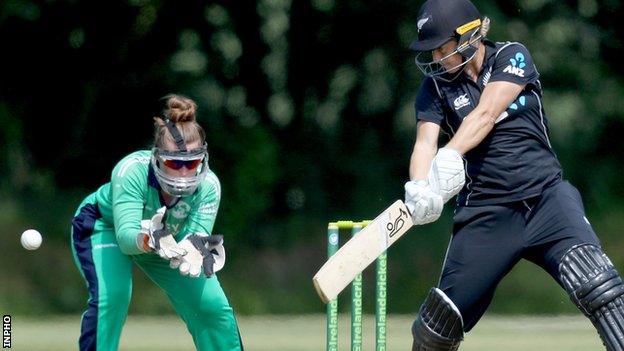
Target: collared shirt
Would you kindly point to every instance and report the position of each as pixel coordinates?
(515, 161)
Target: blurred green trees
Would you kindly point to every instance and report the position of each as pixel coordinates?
(308, 106)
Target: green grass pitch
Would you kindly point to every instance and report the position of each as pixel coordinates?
(303, 333)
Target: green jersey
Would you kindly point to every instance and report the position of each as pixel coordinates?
(133, 194)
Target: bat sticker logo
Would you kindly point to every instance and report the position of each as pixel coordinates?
(394, 227)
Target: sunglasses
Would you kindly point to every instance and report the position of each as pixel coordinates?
(178, 164)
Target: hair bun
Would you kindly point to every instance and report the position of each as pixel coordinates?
(180, 108)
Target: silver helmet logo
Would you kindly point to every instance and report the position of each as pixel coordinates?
(421, 22)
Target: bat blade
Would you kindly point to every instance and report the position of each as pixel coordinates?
(361, 250)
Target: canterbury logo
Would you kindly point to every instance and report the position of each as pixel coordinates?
(461, 101)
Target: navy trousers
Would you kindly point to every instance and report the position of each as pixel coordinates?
(489, 240)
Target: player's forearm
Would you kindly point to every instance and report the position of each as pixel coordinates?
(421, 160)
(127, 219)
(474, 128)
(424, 151)
(496, 97)
(128, 242)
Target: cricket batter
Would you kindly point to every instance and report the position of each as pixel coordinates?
(157, 212)
(513, 202)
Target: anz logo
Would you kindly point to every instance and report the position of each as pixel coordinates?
(516, 66)
(461, 101)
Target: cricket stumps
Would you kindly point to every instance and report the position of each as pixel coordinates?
(333, 244)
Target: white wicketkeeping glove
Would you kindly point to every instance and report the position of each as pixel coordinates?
(424, 204)
(203, 251)
(447, 176)
(160, 240)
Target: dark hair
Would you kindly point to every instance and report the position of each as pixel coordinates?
(181, 111)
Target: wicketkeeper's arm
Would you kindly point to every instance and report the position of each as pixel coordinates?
(127, 212)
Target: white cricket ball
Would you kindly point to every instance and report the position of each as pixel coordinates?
(31, 239)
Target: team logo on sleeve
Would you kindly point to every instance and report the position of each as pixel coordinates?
(461, 101)
(521, 100)
(516, 66)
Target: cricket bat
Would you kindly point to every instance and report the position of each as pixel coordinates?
(361, 250)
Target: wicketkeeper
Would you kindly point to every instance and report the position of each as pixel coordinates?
(513, 202)
(157, 212)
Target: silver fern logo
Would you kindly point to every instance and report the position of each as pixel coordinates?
(421, 22)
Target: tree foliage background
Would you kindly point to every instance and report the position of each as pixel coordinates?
(308, 107)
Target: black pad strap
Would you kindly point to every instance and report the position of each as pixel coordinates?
(596, 288)
(439, 325)
(175, 133)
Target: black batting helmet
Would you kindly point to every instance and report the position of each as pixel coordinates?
(440, 21)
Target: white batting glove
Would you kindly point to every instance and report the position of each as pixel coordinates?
(447, 176)
(160, 240)
(203, 251)
(424, 204)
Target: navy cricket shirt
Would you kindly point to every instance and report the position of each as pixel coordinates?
(515, 161)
